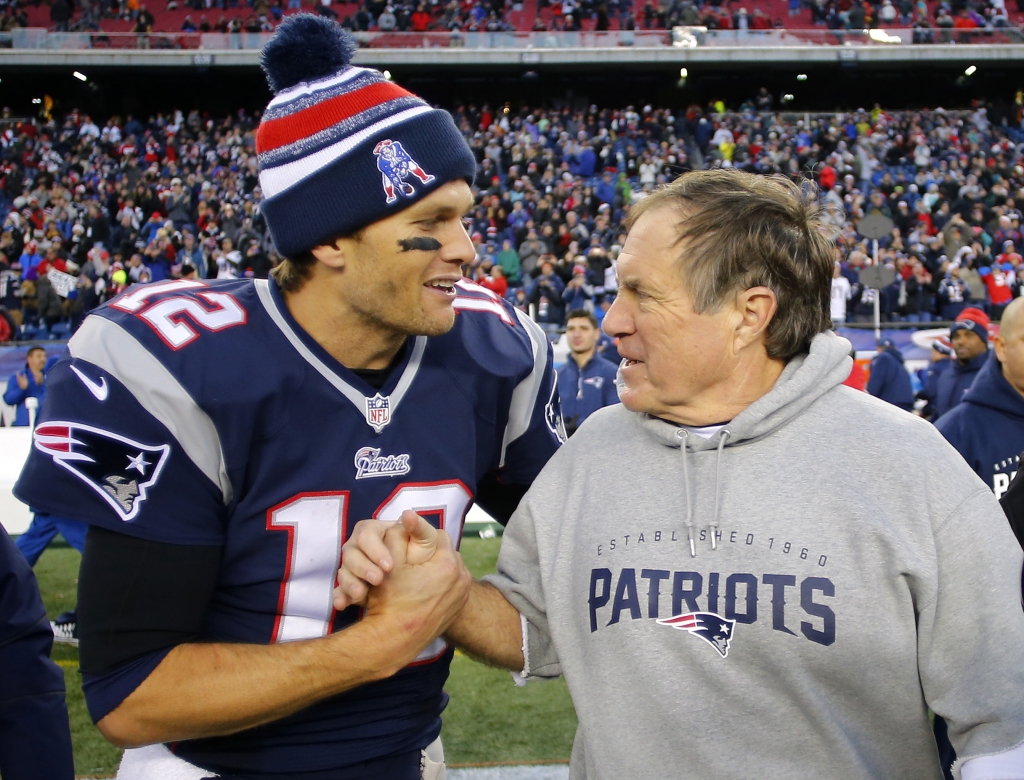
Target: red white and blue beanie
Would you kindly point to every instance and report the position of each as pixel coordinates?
(340, 147)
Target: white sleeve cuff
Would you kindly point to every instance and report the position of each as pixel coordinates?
(520, 678)
(1008, 765)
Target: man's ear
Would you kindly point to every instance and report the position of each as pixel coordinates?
(756, 308)
(999, 346)
(333, 255)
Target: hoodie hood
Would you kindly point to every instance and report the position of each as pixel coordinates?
(991, 389)
(803, 381)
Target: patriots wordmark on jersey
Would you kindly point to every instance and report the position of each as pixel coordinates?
(195, 413)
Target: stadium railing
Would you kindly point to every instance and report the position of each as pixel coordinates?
(679, 37)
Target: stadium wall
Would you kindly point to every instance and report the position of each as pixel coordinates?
(839, 77)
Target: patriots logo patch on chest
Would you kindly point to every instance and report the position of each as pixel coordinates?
(709, 626)
(119, 469)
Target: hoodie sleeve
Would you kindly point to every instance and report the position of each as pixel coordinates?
(519, 580)
(969, 639)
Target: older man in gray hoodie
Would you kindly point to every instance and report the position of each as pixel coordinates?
(722, 598)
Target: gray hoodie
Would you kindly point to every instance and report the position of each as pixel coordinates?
(847, 571)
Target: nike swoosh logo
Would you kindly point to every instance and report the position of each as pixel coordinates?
(98, 389)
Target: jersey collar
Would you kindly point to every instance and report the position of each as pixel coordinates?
(377, 407)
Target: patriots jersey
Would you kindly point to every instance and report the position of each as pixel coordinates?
(201, 413)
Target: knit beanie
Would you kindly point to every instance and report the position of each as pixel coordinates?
(340, 147)
(974, 320)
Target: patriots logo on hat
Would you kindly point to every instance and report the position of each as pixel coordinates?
(714, 629)
(119, 469)
(395, 166)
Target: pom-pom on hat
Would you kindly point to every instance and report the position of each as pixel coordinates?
(341, 147)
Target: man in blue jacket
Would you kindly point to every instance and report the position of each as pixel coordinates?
(889, 380)
(941, 360)
(35, 739)
(30, 383)
(988, 427)
(586, 381)
(969, 335)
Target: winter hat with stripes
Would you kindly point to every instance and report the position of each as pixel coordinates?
(340, 147)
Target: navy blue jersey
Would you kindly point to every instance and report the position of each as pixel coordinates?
(196, 413)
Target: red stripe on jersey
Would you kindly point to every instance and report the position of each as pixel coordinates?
(275, 133)
(53, 430)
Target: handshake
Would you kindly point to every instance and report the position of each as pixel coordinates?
(413, 584)
(407, 576)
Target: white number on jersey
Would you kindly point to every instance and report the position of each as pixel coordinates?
(317, 523)
(167, 317)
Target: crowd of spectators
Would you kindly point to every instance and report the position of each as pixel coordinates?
(92, 207)
(944, 21)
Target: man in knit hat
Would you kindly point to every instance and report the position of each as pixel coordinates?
(969, 338)
(222, 439)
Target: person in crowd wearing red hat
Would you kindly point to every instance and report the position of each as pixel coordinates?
(969, 338)
(987, 428)
(579, 292)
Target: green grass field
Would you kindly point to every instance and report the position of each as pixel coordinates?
(489, 720)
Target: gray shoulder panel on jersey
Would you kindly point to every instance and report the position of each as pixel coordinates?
(109, 346)
(524, 397)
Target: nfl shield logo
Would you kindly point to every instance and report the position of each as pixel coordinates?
(378, 411)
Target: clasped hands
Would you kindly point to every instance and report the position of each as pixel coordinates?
(407, 571)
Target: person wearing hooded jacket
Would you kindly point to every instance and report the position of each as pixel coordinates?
(721, 599)
(35, 738)
(942, 351)
(969, 337)
(889, 380)
(988, 427)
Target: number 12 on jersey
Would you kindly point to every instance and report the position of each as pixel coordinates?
(317, 526)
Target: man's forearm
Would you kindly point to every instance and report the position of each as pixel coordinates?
(205, 690)
(489, 628)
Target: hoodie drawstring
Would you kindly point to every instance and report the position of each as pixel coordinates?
(713, 527)
(691, 527)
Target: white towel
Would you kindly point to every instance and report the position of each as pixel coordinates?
(156, 762)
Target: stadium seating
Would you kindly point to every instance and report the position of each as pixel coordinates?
(522, 20)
